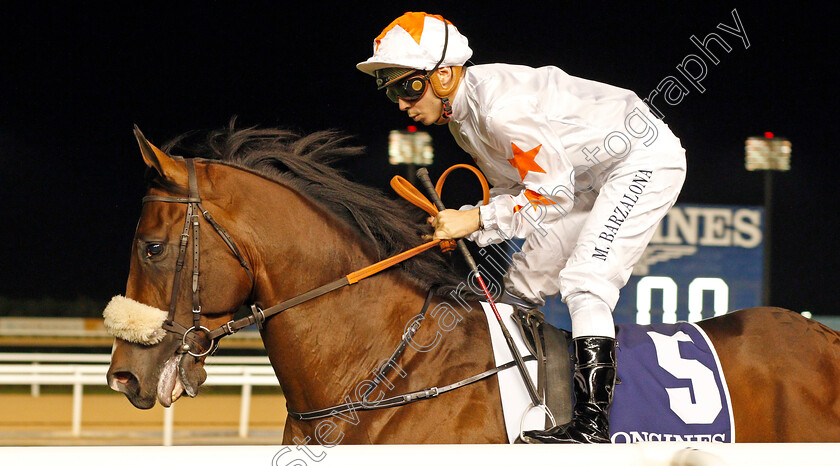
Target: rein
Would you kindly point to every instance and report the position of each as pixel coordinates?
(258, 316)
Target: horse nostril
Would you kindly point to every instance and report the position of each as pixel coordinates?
(122, 381)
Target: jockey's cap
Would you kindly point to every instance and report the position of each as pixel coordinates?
(415, 41)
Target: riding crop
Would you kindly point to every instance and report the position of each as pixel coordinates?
(423, 176)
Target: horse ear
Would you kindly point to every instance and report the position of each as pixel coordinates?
(155, 158)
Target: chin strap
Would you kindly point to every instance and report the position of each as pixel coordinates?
(446, 113)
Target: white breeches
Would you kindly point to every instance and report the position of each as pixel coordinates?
(593, 249)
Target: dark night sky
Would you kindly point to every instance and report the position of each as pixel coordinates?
(73, 81)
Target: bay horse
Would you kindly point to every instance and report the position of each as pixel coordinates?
(289, 222)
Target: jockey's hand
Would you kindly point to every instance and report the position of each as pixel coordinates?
(453, 224)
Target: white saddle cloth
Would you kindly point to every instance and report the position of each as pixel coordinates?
(515, 399)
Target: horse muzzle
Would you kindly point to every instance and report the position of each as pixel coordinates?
(141, 324)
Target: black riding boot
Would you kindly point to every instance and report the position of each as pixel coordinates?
(594, 383)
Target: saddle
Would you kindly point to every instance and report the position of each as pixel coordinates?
(550, 346)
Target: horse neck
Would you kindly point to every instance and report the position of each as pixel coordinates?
(321, 348)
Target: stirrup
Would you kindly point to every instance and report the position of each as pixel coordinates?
(544, 408)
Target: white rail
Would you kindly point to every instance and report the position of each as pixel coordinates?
(56, 358)
(245, 372)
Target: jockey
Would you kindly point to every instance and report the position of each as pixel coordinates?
(581, 170)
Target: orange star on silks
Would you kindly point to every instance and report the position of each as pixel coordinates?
(524, 161)
(534, 198)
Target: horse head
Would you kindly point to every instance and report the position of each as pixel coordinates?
(161, 324)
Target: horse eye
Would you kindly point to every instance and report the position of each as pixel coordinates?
(153, 249)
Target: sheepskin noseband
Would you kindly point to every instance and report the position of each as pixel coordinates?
(133, 321)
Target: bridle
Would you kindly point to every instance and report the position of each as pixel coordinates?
(197, 340)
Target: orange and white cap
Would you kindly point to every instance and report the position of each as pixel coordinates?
(416, 40)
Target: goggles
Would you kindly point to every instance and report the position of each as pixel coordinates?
(414, 86)
(411, 88)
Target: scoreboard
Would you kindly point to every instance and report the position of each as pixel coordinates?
(703, 261)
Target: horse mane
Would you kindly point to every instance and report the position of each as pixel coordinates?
(305, 163)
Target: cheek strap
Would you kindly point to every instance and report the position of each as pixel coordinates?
(133, 321)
